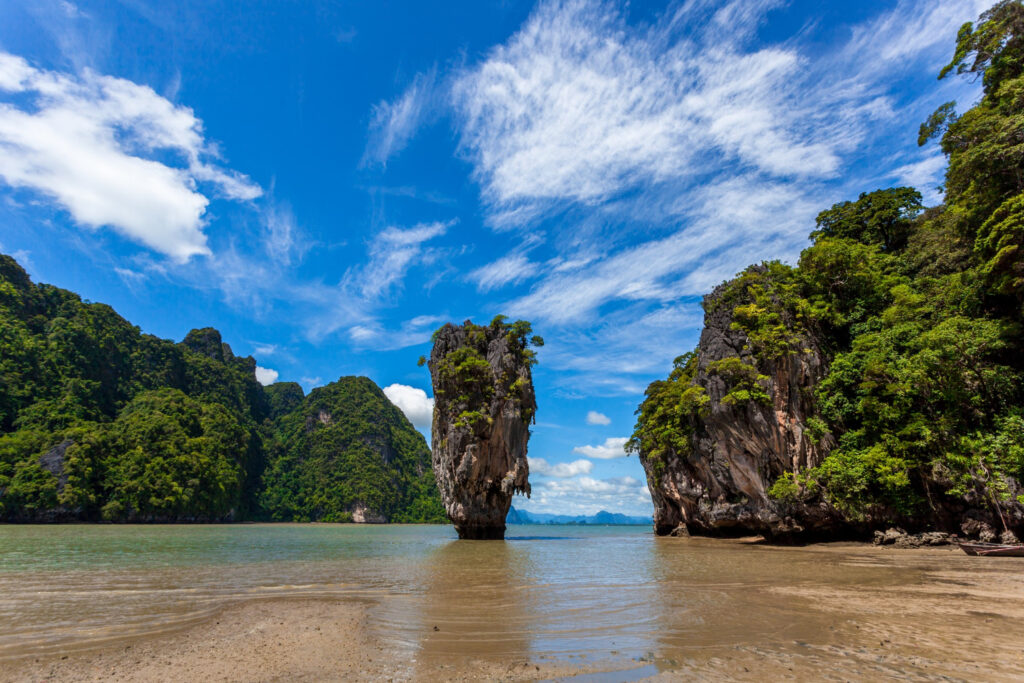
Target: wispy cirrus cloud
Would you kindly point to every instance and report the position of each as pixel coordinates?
(393, 124)
(99, 147)
(675, 152)
(391, 253)
(579, 106)
(508, 270)
(910, 29)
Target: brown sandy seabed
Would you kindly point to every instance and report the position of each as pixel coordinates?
(951, 626)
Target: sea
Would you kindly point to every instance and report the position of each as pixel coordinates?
(553, 593)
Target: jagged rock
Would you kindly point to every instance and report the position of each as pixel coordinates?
(53, 462)
(928, 538)
(935, 538)
(680, 532)
(483, 406)
(739, 449)
(726, 440)
(972, 527)
(363, 515)
(889, 536)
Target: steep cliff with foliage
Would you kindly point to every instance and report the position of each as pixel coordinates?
(483, 407)
(878, 382)
(346, 453)
(99, 421)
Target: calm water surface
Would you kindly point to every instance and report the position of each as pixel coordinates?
(546, 591)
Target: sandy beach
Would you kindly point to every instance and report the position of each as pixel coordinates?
(276, 640)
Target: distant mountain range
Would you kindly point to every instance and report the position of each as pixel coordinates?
(602, 517)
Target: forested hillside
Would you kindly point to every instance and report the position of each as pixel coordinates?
(879, 381)
(99, 421)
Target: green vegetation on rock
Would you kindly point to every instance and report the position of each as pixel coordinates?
(346, 448)
(99, 421)
(467, 369)
(916, 313)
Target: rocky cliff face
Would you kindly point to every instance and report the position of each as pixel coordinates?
(483, 406)
(747, 427)
(732, 442)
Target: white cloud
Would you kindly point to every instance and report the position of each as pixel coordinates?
(578, 106)
(413, 402)
(911, 28)
(591, 485)
(264, 349)
(131, 278)
(281, 239)
(394, 123)
(507, 270)
(70, 9)
(596, 418)
(392, 252)
(266, 376)
(676, 152)
(730, 215)
(925, 175)
(87, 142)
(613, 447)
(586, 495)
(355, 303)
(410, 333)
(561, 470)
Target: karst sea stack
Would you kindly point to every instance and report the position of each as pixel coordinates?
(483, 406)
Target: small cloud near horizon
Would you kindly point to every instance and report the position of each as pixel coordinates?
(612, 448)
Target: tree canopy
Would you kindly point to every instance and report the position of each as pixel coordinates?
(99, 421)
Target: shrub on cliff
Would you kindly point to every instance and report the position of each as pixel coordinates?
(918, 317)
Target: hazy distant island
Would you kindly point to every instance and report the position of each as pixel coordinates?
(599, 518)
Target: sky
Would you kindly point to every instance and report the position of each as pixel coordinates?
(326, 183)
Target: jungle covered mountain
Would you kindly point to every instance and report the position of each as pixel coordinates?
(879, 381)
(101, 422)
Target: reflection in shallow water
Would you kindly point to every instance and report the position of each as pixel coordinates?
(479, 601)
(614, 594)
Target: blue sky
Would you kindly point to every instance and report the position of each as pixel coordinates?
(328, 182)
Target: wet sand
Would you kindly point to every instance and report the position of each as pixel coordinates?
(671, 609)
(269, 640)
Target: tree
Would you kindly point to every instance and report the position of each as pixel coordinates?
(985, 146)
(883, 217)
(994, 49)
